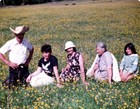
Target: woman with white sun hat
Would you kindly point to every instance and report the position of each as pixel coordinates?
(75, 65)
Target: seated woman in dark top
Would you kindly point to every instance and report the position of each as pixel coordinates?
(47, 69)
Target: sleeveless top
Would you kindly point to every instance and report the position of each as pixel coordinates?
(73, 61)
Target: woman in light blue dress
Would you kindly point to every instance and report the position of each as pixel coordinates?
(129, 63)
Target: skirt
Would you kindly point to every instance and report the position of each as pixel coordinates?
(41, 79)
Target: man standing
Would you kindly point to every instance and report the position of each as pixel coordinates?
(20, 54)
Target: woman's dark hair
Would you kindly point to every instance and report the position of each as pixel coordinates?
(74, 49)
(131, 47)
(46, 48)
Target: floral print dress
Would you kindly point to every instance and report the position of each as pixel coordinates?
(74, 70)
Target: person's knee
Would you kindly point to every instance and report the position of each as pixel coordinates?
(62, 80)
(130, 77)
(124, 79)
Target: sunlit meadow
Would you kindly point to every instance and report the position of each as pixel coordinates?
(115, 23)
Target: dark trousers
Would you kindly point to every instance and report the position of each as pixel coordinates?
(17, 75)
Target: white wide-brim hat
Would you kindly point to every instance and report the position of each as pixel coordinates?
(20, 29)
(69, 44)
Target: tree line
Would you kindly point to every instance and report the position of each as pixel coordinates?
(24, 2)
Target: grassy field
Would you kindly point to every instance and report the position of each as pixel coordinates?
(115, 23)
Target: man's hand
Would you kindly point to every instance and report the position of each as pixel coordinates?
(13, 65)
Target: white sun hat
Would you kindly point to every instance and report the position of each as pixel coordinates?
(69, 44)
(20, 29)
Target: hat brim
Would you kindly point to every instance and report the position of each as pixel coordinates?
(24, 30)
(12, 30)
(69, 47)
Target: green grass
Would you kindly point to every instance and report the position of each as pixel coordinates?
(115, 23)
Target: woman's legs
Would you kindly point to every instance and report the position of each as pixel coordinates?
(131, 76)
(126, 77)
(69, 76)
(64, 76)
(41, 80)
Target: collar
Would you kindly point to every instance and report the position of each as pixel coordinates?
(132, 55)
(16, 42)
